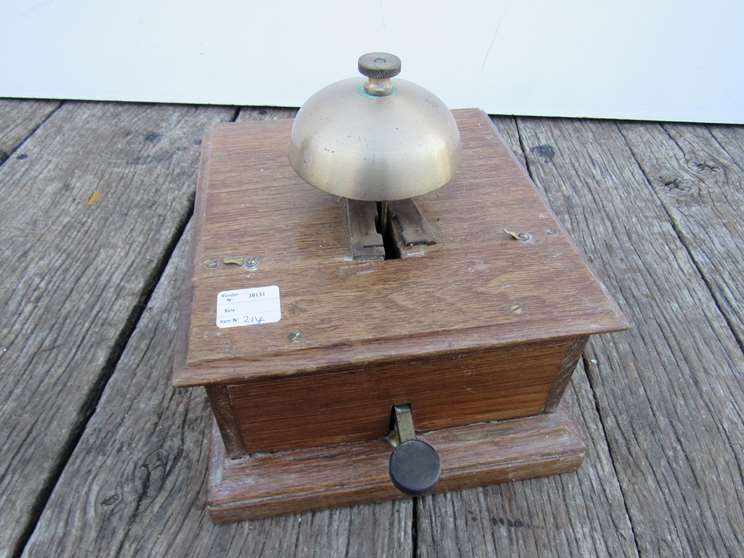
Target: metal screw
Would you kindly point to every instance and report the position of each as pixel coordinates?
(251, 263)
(521, 236)
(379, 67)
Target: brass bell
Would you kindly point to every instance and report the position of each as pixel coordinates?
(375, 139)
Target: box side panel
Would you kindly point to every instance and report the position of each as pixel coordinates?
(219, 400)
(568, 365)
(355, 405)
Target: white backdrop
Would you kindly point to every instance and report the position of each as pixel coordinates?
(652, 59)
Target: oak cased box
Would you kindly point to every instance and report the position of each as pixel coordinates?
(479, 332)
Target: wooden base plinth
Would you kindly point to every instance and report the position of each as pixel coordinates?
(479, 454)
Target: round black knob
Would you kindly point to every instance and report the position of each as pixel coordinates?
(415, 467)
(379, 65)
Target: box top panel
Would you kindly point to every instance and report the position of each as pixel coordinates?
(318, 309)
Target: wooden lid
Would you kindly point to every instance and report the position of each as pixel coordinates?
(477, 288)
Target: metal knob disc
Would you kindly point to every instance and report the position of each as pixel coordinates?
(415, 467)
(379, 65)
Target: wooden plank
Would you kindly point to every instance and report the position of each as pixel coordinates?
(580, 514)
(697, 172)
(670, 390)
(266, 113)
(18, 120)
(85, 223)
(135, 484)
(337, 475)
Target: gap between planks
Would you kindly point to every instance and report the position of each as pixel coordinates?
(95, 390)
(583, 513)
(414, 522)
(417, 503)
(584, 360)
(583, 369)
(33, 115)
(680, 233)
(678, 378)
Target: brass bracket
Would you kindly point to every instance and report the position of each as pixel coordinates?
(403, 429)
(414, 465)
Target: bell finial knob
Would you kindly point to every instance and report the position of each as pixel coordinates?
(379, 67)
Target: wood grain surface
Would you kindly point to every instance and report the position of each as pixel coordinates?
(669, 391)
(698, 177)
(18, 120)
(224, 415)
(344, 474)
(505, 291)
(136, 483)
(580, 514)
(355, 404)
(571, 357)
(86, 219)
(667, 399)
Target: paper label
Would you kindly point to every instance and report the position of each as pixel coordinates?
(248, 307)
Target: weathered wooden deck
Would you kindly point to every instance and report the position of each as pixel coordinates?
(102, 457)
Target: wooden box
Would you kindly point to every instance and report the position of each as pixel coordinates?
(479, 332)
